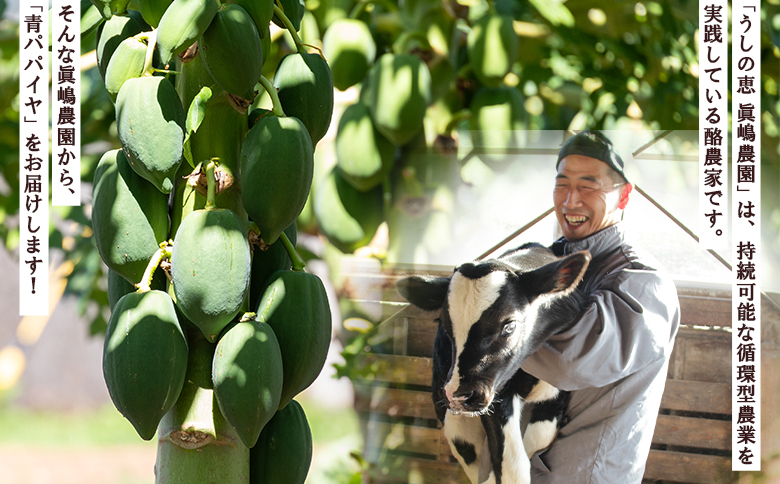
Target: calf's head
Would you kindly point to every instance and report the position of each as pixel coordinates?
(496, 313)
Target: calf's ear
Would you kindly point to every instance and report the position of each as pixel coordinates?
(426, 293)
(562, 276)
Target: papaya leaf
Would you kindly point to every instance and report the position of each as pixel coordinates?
(195, 115)
(98, 325)
(554, 11)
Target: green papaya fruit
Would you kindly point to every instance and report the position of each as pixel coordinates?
(261, 11)
(492, 48)
(398, 93)
(305, 89)
(150, 124)
(347, 217)
(266, 262)
(293, 10)
(112, 32)
(107, 8)
(295, 305)
(365, 157)
(91, 19)
(497, 122)
(118, 286)
(267, 45)
(277, 166)
(144, 359)
(127, 63)
(350, 49)
(181, 25)
(258, 113)
(232, 51)
(247, 376)
(153, 11)
(284, 450)
(210, 268)
(129, 216)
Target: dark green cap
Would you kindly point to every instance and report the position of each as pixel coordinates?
(594, 145)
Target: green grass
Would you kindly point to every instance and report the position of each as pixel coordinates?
(335, 433)
(106, 426)
(99, 427)
(327, 424)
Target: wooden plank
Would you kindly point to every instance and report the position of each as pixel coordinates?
(423, 323)
(688, 468)
(671, 430)
(706, 355)
(705, 311)
(420, 344)
(695, 396)
(693, 432)
(398, 369)
(661, 465)
(681, 395)
(704, 334)
(395, 402)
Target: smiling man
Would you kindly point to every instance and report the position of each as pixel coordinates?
(615, 357)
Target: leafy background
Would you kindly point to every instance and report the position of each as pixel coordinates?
(595, 64)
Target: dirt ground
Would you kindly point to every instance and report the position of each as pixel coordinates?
(23, 464)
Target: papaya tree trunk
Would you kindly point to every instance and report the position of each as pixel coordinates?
(195, 443)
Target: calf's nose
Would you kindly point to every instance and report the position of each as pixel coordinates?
(464, 396)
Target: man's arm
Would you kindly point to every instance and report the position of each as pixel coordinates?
(624, 328)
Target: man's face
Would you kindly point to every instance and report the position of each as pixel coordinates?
(586, 198)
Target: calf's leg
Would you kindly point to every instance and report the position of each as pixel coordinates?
(551, 405)
(466, 437)
(509, 461)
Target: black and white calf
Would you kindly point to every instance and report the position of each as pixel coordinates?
(494, 314)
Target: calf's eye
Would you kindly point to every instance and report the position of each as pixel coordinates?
(508, 328)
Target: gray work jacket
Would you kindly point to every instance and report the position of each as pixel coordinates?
(614, 360)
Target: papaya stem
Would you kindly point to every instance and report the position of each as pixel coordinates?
(151, 43)
(462, 115)
(402, 44)
(287, 23)
(297, 263)
(271, 90)
(164, 252)
(248, 316)
(359, 8)
(121, 7)
(165, 71)
(211, 180)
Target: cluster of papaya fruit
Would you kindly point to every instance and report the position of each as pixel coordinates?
(427, 71)
(215, 325)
